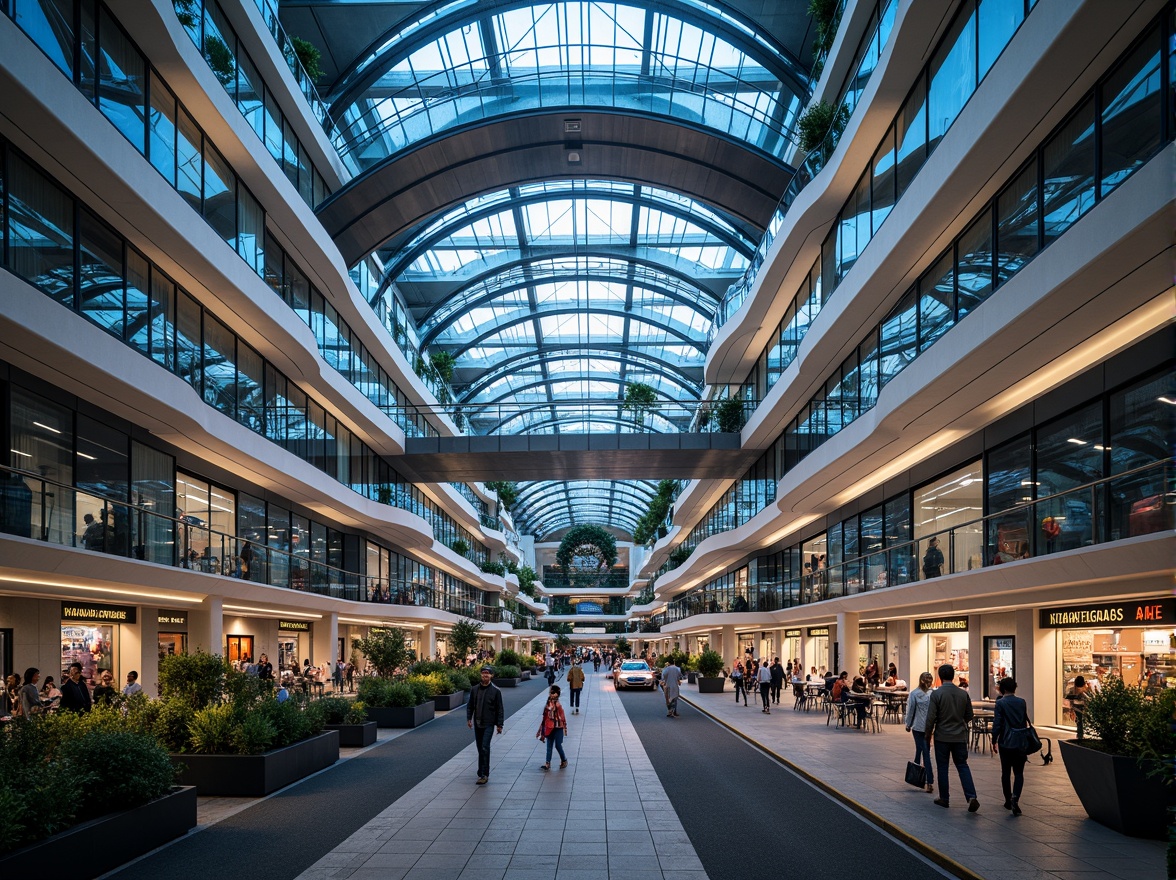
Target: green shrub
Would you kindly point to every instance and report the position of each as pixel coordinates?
(126, 769)
(39, 794)
(526, 661)
(374, 692)
(474, 674)
(710, 664)
(459, 679)
(198, 678)
(357, 714)
(421, 689)
(507, 671)
(427, 667)
(507, 657)
(403, 695)
(1122, 720)
(253, 735)
(333, 709)
(171, 721)
(211, 730)
(491, 567)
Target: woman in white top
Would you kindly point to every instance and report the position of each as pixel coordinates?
(916, 722)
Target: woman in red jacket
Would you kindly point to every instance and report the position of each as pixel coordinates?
(553, 727)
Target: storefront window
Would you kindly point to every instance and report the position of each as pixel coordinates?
(207, 512)
(815, 567)
(1070, 453)
(998, 653)
(1010, 484)
(92, 645)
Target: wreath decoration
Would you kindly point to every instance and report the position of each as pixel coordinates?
(587, 541)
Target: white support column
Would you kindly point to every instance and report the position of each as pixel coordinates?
(325, 647)
(206, 627)
(729, 646)
(146, 659)
(428, 642)
(847, 641)
(977, 662)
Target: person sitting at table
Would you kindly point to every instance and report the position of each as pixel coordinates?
(860, 698)
(840, 690)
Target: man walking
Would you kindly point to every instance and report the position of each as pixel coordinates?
(484, 713)
(671, 680)
(763, 675)
(949, 713)
(576, 683)
(777, 680)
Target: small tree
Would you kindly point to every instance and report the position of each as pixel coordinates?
(563, 642)
(639, 400)
(386, 650)
(464, 637)
(508, 492)
(622, 646)
(729, 414)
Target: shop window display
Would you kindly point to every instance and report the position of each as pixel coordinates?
(92, 645)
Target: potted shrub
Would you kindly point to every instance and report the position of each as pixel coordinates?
(395, 703)
(442, 691)
(690, 665)
(229, 733)
(507, 675)
(710, 672)
(73, 784)
(349, 718)
(1123, 772)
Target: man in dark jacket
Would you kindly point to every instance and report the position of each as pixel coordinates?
(75, 696)
(777, 680)
(484, 712)
(949, 714)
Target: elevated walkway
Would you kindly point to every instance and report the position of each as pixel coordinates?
(575, 457)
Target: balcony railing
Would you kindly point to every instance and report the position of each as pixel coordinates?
(33, 507)
(1136, 502)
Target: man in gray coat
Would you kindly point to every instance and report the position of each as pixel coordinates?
(949, 714)
(671, 680)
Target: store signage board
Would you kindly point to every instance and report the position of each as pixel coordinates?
(792, 634)
(1149, 613)
(294, 625)
(94, 613)
(818, 631)
(173, 618)
(942, 625)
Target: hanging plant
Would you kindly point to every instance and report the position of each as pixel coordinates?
(729, 416)
(820, 127)
(507, 491)
(586, 541)
(443, 364)
(309, 57)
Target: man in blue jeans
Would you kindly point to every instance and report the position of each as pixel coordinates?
(949, 714)
(484, 712)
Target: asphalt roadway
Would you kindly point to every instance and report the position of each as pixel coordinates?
(750, 817)
(283, 835)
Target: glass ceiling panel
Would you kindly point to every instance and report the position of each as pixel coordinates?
(459, 65)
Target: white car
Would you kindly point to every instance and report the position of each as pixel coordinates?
(634, 674)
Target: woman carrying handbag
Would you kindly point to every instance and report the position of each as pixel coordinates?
(916, 720)
(1014, 734)
(552, 728)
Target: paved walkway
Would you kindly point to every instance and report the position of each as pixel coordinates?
(1052, 840)
(605, 816)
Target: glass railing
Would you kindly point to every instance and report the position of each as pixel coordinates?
(33, 507)
(318, 107)
(813, 162)
(1137, 502)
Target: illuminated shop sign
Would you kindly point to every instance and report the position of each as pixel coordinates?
(300, 626)
(818, 631)
(1151, 613)
(98, 613)
(792, 634)
(942, 625)
(173, 618)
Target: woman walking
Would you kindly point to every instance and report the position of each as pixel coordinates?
(916, 721)
(552, 728)
(1010, 714)
(737, 680)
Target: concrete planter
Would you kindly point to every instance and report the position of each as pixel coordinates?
(711, 685)
(135, 832)
(449, 702)
(692, 678)
(354, 735)
(258, 775)
(1117, 792)
(506, 682)
(402, 716)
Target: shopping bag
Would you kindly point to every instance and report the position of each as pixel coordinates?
(916, 775)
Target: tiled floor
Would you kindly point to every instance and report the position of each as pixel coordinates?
(605, 816)
(1052, 840)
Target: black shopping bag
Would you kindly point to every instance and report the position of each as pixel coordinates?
(916, 775)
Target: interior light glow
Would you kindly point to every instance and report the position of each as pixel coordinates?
(1077, 442)
(21, 454)
(55, 431)
(87, 457)
(121, 591)
(272, 611)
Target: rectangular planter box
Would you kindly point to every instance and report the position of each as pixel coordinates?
(448, 702)
(506, 682)
(258, 775)
(399, 716)
(711, 685)
(526, 676)
(354, 735)
(108, 841)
